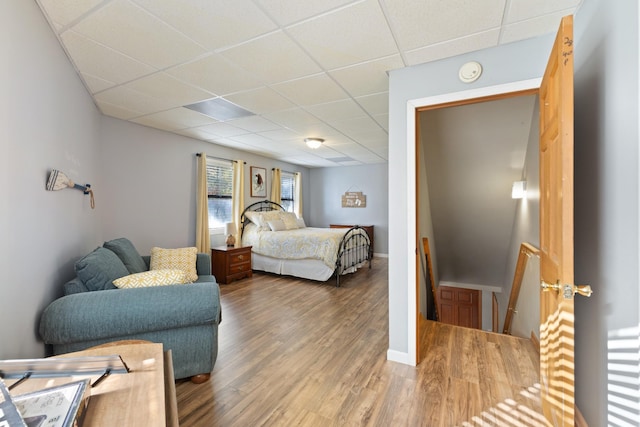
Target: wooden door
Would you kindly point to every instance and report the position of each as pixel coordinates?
(460, 307)
(556, 232)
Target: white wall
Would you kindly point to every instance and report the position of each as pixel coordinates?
(503, 64)
(148, 184)
(606, 200)
(48, 121)
(526, 229)
(327, 185)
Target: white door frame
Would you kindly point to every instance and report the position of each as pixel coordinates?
(410, 255)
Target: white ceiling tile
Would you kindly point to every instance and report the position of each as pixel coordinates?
(421, 23)
(453, 47)
(222, 130)
(260, 101)
(215, 74)
(312, 90)
(100, 61)
(96, 84)
(354, 126)
(375, 104)
(169, 89)
(212, 23)
(197, 133)
(377, 79)
(132, 100)
(254, 124)
(294, 118)
(252, 139)
(338, 110)
(282, 135)
(274, 58)
(229, 143)
(286, 12)
(62, 12)
(129, 29)
(520, 10)
(316, 130)
(382, 120)
(116, 111)
(347, 36)
(372, 138)
(177, 118)
(531, 27)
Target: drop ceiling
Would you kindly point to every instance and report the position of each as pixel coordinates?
(303, 68)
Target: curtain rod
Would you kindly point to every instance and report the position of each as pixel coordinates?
(282, 170)
(219, 158)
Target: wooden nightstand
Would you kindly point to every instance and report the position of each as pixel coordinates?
(231, 263)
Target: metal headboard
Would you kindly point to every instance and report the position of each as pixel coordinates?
(261, 206)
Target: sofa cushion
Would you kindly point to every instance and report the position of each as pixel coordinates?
(181, 258)
(99, 269)
(127, 253)
(152, 278)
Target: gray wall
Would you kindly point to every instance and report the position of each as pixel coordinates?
(606, 195)
(149, 178)
(503, 64)
(48, 121)
(526, 228)
(329, 184)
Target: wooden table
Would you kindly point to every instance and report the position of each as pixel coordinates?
(143, 397)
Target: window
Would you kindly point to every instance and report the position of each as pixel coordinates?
(219, 193)
(287, 190)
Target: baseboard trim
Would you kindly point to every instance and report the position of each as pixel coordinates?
(379, 255)
(397, 356)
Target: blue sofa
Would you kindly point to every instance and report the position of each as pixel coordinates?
(184, 318)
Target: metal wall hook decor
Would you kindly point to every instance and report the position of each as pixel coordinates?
(58, 181)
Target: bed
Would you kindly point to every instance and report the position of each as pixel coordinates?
(282, 244)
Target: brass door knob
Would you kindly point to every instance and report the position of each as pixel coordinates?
(568, 290)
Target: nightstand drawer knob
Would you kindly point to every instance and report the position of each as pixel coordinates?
(240, 256)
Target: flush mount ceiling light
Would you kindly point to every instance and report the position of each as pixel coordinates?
(313, 142)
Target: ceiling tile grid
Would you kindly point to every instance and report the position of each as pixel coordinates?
(315, 68)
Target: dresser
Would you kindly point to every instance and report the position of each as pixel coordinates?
(229, 263)
(367, 228)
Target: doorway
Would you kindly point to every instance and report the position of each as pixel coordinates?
(413, 106)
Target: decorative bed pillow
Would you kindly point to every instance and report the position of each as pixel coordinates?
(276, 225)
(152, 278)
(182, 259)
(301, 223)
(290, 220)
(99, 269)
(127, 253)
(261, 219)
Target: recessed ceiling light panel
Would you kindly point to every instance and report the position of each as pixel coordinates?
(219, 109)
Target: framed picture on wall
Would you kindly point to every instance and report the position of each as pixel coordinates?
(258, 182)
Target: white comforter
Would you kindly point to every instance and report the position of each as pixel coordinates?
(301, 243)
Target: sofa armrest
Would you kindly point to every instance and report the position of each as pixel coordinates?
(122, 312)
(203, 263)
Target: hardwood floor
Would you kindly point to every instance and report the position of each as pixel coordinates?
(301, 353)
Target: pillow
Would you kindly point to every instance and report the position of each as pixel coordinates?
(261, 218)
(290, 220)
(127, 253)
(181, 259)
(276, 225)
(152, 278)
(99, 269)
(301, 223)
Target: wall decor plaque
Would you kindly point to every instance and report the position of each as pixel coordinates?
(354, 199)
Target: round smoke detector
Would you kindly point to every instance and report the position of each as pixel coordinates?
(470, 72)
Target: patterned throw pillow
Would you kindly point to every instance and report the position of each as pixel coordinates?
(182, 259)
(152, 278)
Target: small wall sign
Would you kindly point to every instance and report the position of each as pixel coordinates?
(354, 199)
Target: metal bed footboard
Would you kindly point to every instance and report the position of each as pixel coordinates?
(355, 249)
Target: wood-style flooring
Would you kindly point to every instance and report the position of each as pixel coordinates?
(301, 353)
